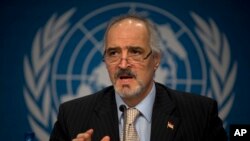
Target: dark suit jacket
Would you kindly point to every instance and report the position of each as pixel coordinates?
(194, 118)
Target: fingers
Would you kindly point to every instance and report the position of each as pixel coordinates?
(86, 136)
(106, 138)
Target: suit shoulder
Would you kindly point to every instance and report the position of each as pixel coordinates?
(189, 97)
(193, 103)
(186, 100)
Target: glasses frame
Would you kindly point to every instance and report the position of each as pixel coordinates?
(103, 57)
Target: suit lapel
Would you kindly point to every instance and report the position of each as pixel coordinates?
(106, 120)
(164, 122)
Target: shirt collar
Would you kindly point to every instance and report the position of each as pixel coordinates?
(145, 106)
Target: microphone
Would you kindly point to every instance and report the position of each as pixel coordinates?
(123, 109)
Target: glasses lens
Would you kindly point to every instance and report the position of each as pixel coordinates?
(112, 58)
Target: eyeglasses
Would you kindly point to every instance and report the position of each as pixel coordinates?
(134, 55)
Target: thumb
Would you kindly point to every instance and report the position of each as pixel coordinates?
(106, 138)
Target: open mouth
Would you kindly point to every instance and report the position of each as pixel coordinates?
(125, 80)
(126, 77)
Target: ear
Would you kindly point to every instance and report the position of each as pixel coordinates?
(157, 60)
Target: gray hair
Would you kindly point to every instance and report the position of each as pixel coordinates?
(154, 37)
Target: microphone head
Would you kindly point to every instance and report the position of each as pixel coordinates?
(122, 108)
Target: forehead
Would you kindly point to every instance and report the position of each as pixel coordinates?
(128, 24)
(128, 32)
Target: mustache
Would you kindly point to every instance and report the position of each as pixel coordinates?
(126, 72)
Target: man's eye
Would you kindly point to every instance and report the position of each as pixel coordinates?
(112, 53)
(136, 52)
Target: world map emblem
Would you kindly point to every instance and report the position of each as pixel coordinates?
(66, 60)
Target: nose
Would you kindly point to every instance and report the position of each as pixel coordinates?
(123, 63)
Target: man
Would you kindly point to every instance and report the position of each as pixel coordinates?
(132, 55)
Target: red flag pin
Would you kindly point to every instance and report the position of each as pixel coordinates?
(170, 125)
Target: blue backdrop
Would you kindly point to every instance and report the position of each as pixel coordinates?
(51, 52)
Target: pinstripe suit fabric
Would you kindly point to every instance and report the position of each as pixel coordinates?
(194, 118)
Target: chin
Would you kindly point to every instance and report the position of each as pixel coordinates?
(127, 91)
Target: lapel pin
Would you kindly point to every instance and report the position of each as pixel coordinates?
(170, 125)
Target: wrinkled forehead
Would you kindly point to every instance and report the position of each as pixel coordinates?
(128, 32)
(133, 27)
(129, 26)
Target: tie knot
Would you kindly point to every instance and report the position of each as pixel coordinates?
(132, 114)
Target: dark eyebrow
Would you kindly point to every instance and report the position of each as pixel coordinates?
(128, 47)
(134, 47)
(112, 48)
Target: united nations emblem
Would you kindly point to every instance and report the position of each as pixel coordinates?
(66, 60)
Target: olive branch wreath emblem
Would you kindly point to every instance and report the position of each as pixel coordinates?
(37, 91)
(222, 77)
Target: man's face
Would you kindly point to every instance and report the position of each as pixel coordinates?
(130, 78)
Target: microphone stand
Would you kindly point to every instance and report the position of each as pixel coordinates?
(123, 109)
